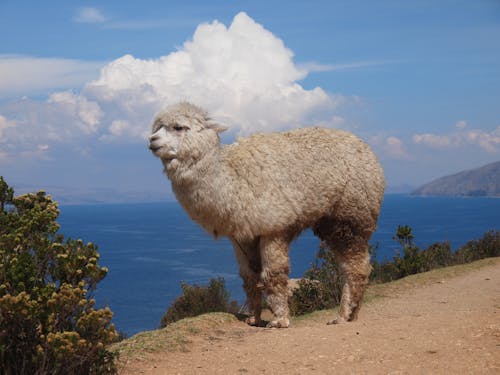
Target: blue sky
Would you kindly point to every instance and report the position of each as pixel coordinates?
(81, 81)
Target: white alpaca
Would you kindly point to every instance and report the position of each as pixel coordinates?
(262, 191)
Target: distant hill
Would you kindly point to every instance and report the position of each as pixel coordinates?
(479, 182)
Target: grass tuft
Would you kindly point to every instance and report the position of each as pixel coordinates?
(174, 337)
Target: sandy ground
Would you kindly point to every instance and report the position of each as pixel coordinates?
(445, 327)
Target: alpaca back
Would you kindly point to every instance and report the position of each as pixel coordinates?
(283, 180)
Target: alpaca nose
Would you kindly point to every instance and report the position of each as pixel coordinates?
(152, 139)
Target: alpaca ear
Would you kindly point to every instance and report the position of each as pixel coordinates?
(217, 127)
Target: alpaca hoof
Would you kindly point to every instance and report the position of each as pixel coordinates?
(338, 320)
(252, 321)
(279, 323)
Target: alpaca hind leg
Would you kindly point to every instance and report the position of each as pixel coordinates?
(352, 254)
(275, 270)
(248, 257)
(355, 269)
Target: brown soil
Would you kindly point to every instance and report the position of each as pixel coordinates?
(446, 322)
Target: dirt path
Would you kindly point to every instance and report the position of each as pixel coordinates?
(444, 327)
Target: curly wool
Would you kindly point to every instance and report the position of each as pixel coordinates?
(271, 185)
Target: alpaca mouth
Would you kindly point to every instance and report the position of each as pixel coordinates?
(154, 148)
(168, 159)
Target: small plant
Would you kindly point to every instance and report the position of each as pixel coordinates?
(48, 320)
(196, 300)
(321, 287)
(381, 271)
(487, 246)
(404, 236)
(438, 255)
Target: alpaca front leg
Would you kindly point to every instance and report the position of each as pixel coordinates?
(253, 290)
(275, 270)
(248, 257)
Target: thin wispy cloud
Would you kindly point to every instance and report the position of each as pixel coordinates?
(314, 67)
(28, 75)
(396, 148)
(89, 15)
(390, 146)
(93, 15)
(461, 137)
(149, 24)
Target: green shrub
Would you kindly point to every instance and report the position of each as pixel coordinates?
(438, 255)
(382, 272)
(410, 262)
(321, 287)
(413, 260)
(48, 322)
(308, 297)
(486, 247)
(196, 300)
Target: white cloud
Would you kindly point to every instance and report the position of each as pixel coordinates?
(316, 67)
(461, 124)
(334, 121)
(4, 156)
(434, 140)
(118, 127)
(4, 125)
(395, 148)
(488, 141)
(148, 24)
(87, 113)
(123, 130)
(26, 75)
(390, 146)
(243, 75)
(11, 136)
(63, 118)
(89, 15)
(93, 15)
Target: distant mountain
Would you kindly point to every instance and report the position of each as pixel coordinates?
(479, 182)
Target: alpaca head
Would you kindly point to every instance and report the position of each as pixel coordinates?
(183, 134)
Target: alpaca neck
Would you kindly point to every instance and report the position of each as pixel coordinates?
(190, 173)
(200, 189)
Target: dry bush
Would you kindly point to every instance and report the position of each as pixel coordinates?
(321, 287)
(196, 300)
(48, 321)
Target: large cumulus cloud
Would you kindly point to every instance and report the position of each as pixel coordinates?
(242, 74)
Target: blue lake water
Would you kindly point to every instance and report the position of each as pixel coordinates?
(150, 248)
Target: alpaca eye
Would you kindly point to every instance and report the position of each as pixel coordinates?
(179, 128)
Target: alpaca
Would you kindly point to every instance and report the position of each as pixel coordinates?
(262, 191)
